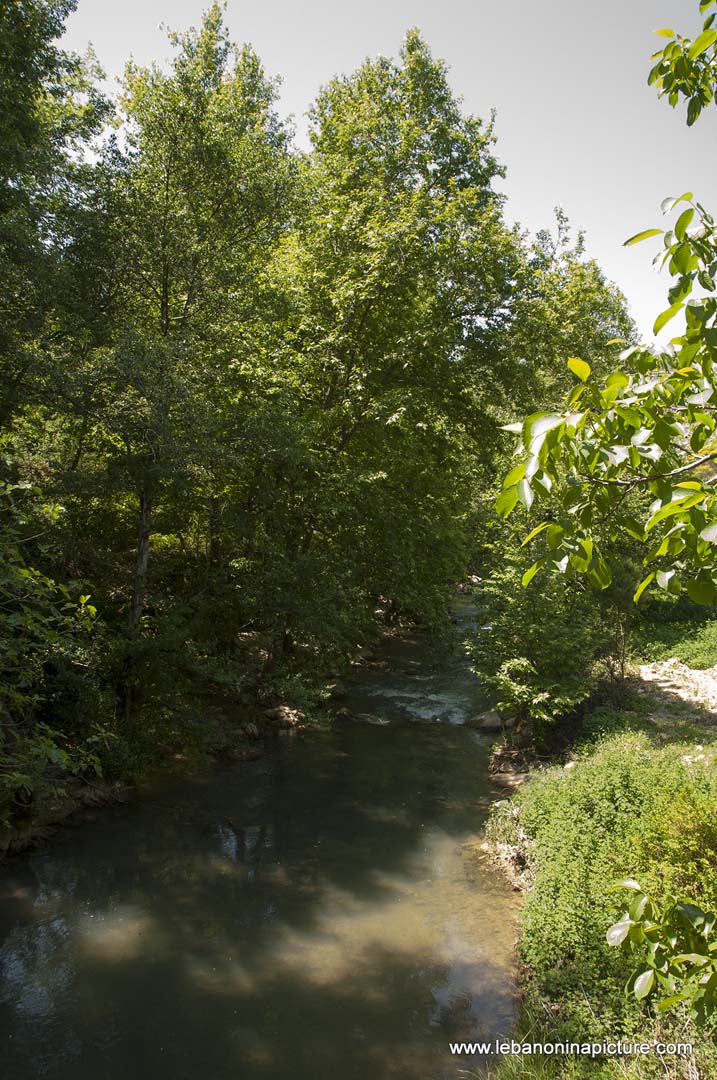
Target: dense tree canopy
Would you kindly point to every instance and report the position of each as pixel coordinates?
(252, 397)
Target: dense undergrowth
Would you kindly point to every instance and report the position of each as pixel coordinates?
(635, 796)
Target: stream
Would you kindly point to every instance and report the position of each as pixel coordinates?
(318, 914)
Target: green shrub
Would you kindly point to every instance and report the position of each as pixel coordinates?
(537, 646)
(676, 841)
(623, 808)
(543, 648)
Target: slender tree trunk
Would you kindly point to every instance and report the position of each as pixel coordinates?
(215, 535)
(129, 690)
(139, 581)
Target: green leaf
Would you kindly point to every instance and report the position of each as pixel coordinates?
(694, 108)
(663, 319)
(576, 393)
(530, 574)
(682, 222)
(637, 907)
(693, 914)
(664, 577)
(702, 43)
(670, 202)
(600, 573)
(665, 32)
(537, 425)
(633, 528)
(644, 983)
(677, 506)
(525, 494)
(536, 532)
(514, 475)
(618, 932)
(709, 533)
(666, 1003)
(642, 586)
(644, 235)
(506, 501)
(701, 589)
(626, 883)
(579, 368)
(702, 397)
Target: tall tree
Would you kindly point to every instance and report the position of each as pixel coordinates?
(51, 108)
(200, 192)
(399, 279)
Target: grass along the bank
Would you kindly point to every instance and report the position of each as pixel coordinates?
(638, 798)
(694, 643)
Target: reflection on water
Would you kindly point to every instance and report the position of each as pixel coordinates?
(311, 916)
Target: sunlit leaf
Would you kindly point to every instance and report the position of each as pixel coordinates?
(536, 532)
(702, 43)
(579, 368)
(644, 235)
(506, 502)
(530, 574)
(663, 319)
(644, 984)
(618, 932)
(642, 586)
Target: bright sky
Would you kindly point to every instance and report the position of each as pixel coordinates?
(577, 124)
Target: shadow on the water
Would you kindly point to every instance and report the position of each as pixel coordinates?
(309, 916)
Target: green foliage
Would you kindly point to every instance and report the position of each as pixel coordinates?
(543, 650)
(535, 650)
(45, 629)
(627, 460)
(573, 829)
(685, 69)
(677, 960)
(632, 454)
(264, 386)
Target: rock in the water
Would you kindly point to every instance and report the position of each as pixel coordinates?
(336, 691)
(489, 721)
(283, 716)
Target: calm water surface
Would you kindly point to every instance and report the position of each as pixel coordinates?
(314, 915)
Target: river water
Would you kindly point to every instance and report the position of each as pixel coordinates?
(319, 914)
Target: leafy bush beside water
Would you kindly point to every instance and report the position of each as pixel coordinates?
(624, 807)
(542, 650)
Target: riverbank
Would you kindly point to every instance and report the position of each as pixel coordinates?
(214, 727)
(201, 723)
(634, 796)
(234, 740)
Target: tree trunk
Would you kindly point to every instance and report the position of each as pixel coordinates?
(139, 582)
(215, 535)
(128, 691)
